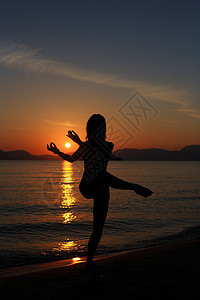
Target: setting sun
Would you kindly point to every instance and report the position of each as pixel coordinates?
(67, 145)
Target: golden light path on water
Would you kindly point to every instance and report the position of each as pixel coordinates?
(68, 199)
(67, 202)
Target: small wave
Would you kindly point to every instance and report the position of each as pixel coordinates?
(25, 208)
(188, 234)
(44, 228)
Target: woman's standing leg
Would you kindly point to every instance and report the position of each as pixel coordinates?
(100, 210)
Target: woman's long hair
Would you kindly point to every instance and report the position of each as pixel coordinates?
(96, 127)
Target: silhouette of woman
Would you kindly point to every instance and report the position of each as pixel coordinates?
(96, 181)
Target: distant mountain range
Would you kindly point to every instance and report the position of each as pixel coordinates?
(24, 155)
(191, 152)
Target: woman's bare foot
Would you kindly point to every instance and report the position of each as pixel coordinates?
(142, 191)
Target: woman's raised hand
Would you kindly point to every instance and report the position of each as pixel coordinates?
(53, 148)
(74, 137)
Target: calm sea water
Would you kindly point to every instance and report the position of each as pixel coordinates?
(44, 216)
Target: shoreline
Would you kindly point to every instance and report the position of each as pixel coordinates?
(159, 271)
(9, 272)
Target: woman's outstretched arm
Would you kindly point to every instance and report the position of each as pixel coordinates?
(70, 158)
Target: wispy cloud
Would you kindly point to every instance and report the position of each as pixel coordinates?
(21, 57)
(170, 122)
(190, 111)
(64, 124)
(18, 56)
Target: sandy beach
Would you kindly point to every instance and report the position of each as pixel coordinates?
(162, 272)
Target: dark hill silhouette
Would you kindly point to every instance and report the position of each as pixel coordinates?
(191, 153)
(18, 154)
(191, 148)
(24, 155)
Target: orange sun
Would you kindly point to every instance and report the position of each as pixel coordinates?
(67, 145)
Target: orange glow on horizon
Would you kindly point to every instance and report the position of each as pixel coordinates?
(153, 134)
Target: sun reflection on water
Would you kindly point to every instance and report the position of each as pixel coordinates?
(68, 217)
(65, 246)
(68, 200)
(77, 260)
(69, 245)
(67, 203)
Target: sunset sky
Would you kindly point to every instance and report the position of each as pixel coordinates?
(61, 61)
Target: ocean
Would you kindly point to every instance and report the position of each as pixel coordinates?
(44, 217)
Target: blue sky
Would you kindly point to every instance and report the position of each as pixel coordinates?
(133, 38)
(101, 48)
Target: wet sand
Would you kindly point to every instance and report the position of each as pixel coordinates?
(164, 272)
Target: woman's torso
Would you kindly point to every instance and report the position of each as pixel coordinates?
(96, 156)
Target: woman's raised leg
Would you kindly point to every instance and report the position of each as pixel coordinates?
(100, 210)
(118, 183)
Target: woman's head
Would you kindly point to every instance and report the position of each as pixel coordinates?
(96, 127)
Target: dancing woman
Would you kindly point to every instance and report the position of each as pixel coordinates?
(96, 181)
